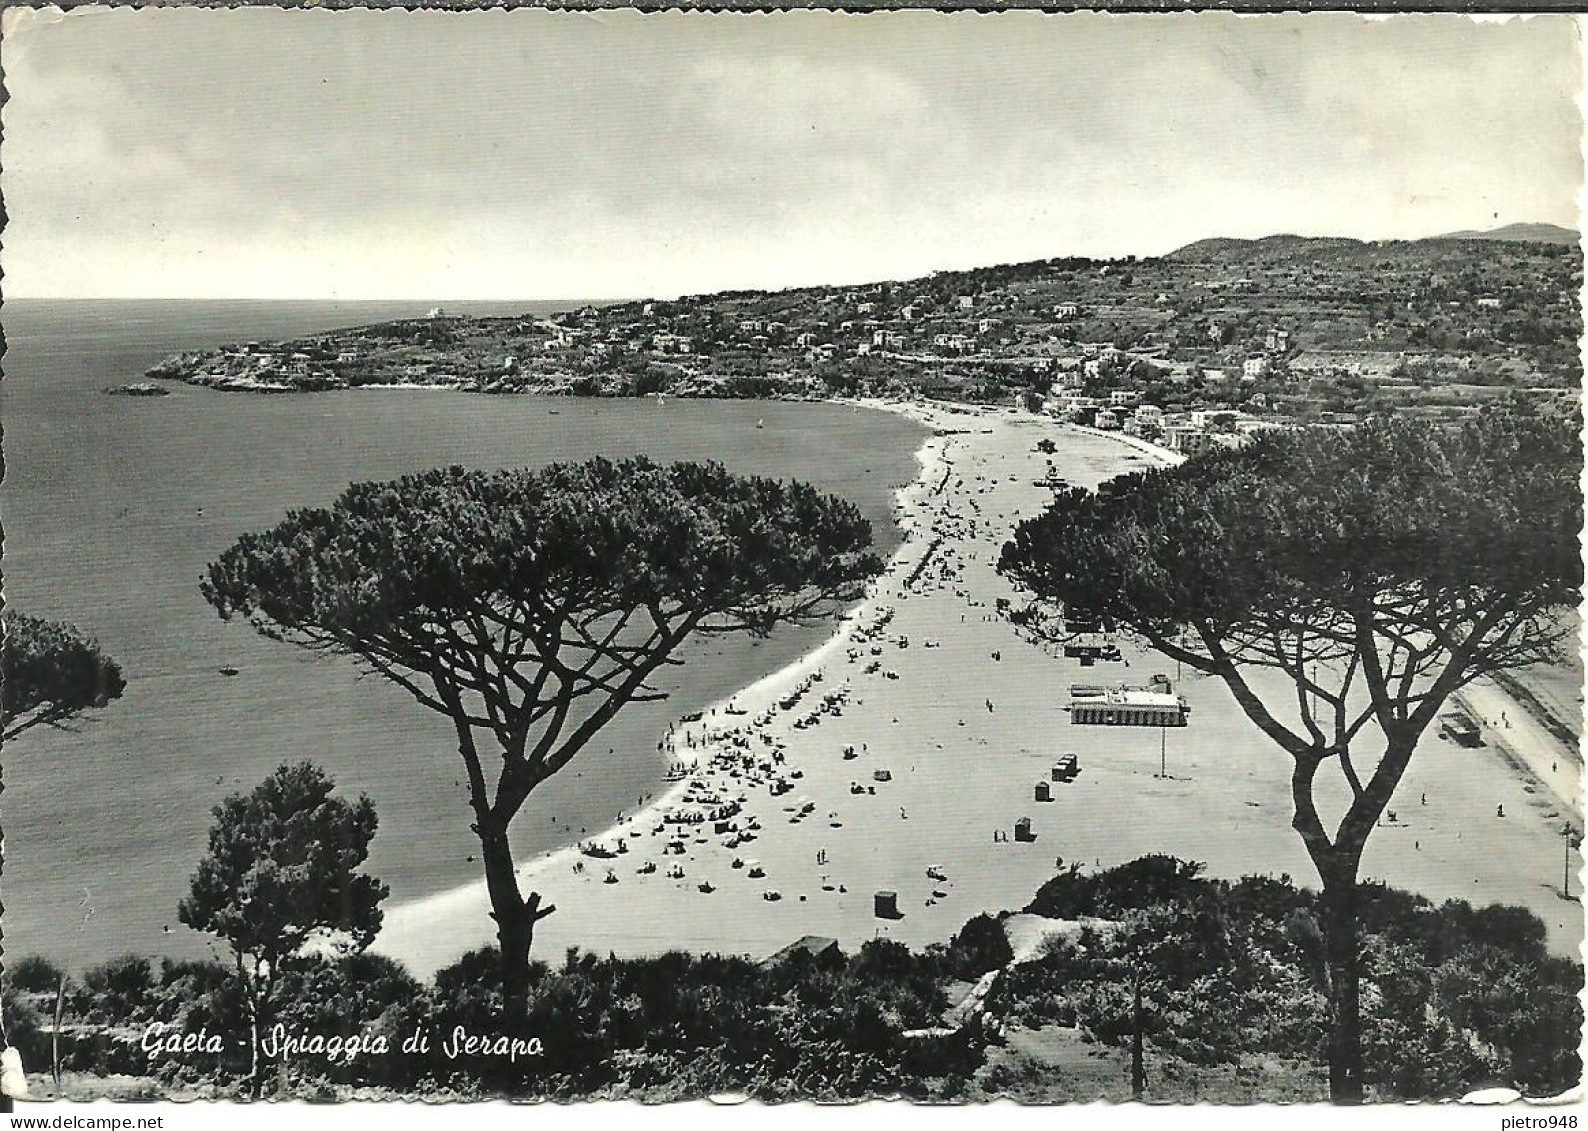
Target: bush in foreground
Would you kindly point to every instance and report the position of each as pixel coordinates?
(1233, 985)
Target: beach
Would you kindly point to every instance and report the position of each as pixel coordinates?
(115, 505)
(897, 757)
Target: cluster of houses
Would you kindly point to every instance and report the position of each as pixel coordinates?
(991, 330)
(1187, 432)
(854, 323)
(1126, 410)
(271, 364)
(1091, 334)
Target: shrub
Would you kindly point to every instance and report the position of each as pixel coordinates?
(35, 974)
(980, 946)
(121, 990)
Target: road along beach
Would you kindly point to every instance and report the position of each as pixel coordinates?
(873, 787)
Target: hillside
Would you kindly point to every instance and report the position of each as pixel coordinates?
(1036, 1007)
(1286, 325)
(1270, 249)
(1522, 233)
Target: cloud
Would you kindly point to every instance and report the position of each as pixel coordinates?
(532, 153)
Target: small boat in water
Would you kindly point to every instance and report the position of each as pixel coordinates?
(228, 671)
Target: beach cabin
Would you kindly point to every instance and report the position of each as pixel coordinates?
(881, 775)
(886, 905)
(1068, 768)
(1023, 833)
(1044, 791)
(1129, 706)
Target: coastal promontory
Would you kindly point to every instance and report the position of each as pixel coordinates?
(1290, 329)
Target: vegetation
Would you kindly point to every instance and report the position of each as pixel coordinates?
(52, 674)
(36, 974)
(530, 606)
(1376, 571)
(1233, 1005)
(1237, 974)
(282, 875)
(1337, 326)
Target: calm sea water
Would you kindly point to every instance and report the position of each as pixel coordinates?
(113, 506)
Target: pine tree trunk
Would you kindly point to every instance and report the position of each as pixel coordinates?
(1345, 1011)
(515, 918)
(514, 934)
(256, 1082)
(55, 1034)
(1138, 1066)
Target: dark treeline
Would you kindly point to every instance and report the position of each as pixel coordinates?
(1232, 981)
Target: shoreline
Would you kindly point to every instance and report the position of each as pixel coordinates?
(1527, 748)
(190, 725)
(414, 916)
(957, 767)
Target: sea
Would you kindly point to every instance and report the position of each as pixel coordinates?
(112, 506)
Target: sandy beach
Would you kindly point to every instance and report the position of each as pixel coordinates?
(898, 756)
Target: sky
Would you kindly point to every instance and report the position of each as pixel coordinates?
(363, 154)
